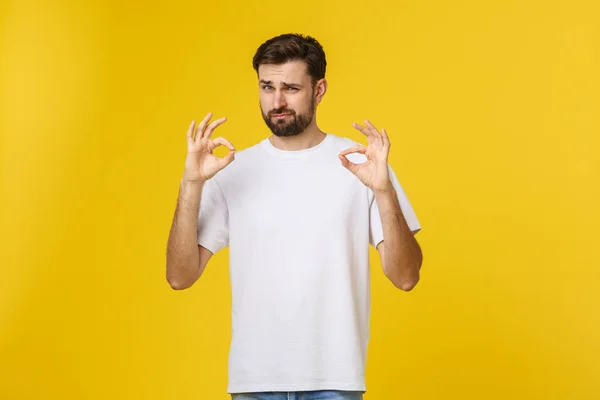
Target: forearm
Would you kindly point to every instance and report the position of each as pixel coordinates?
(402, 254)
(182, 247)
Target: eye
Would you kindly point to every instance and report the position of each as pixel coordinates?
(267, 87)
(293, 89)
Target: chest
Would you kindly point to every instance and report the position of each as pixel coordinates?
(315, 196)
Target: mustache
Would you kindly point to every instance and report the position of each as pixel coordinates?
(281, 111)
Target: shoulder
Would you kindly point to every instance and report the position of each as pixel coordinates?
(341, 142)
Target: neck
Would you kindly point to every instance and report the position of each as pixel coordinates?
(311, 137)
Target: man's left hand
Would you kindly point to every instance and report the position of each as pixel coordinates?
(373, 172)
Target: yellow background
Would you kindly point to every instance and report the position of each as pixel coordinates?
(492, 110)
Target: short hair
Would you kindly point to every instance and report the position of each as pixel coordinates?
(291, 47)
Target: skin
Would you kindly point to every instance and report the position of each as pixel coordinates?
(288, 89)
(400, 253)
(288, 86)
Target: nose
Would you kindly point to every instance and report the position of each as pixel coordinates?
(279, 100)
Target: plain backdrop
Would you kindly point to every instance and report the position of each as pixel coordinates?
(492, 112)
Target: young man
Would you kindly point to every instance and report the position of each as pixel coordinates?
(298, 211)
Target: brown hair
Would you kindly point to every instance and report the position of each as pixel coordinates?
(290, 47)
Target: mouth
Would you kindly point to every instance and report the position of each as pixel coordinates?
(280, 116)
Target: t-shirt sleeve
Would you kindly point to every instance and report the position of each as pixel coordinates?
(213, 218)
(375, 227)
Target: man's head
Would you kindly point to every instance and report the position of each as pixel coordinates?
(291, 75)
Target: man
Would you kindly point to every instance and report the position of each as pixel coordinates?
(298, 211)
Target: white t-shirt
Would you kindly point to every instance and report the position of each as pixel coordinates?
(298, 226)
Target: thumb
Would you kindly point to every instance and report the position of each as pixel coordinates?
(350, 166)
(228, 159)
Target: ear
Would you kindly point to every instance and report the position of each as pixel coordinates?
(320, 89)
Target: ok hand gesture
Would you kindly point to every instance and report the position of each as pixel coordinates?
(201, 164)
(374, 172)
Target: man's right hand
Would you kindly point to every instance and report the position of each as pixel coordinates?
(201, 164)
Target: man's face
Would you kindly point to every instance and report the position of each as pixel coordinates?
(287, 98)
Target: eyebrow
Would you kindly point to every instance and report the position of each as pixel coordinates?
(282, 83)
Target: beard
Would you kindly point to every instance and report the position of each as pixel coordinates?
(292, 126)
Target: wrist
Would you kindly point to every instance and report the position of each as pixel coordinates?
(192, 182)
(384, 190)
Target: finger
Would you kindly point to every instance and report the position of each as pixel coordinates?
(386, 139)
(225, 161)
(371, 126)
(374, 131)
(352, 167)
(347, 163)
(355, 149)
(190, 131)
(202, 125)
(365, 131)
(220, 141)
(209, 130)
